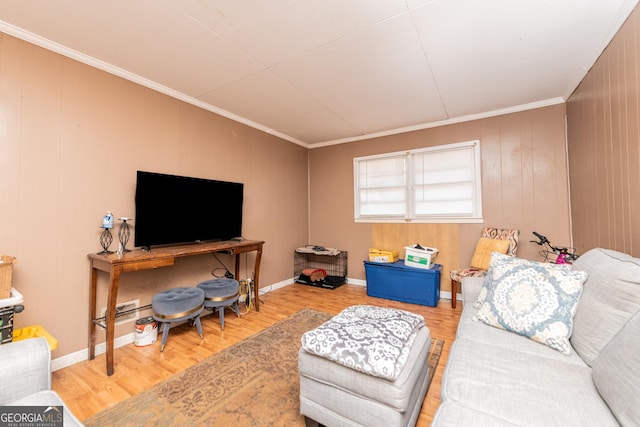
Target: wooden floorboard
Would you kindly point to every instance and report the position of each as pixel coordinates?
(86, 389)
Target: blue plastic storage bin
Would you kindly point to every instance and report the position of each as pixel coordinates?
(399, 282)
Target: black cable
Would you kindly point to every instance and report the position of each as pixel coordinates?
(227, 273)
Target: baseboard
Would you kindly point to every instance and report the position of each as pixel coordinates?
(443, 294)
(273, 287)
(82, 355)
(350, 281)
(447, 295)
(121, 341)
(267, 289)
(360, 282)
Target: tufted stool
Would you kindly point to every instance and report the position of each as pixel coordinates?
(219, 293)
(174, 305)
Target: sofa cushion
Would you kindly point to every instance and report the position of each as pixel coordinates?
(478, 331)
(533, 299)
(455, 414)
(483, 333)
(611, 296)
(616, 374)
(521, 388)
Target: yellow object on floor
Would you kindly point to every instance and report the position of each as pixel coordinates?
(34, 332)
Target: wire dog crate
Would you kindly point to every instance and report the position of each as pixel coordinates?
(334, 268)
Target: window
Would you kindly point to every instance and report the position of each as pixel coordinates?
(435, 184)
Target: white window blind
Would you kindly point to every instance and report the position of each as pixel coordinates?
(435, 184)
(383, 187)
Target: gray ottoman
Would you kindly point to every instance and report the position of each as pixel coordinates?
(176, 305)
(219, 293)
(335, 395)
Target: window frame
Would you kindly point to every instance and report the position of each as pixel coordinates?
(409, 215)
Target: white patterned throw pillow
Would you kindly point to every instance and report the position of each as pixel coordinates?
(501, 265)
(533, 299)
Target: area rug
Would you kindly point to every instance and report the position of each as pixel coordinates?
(252, 383)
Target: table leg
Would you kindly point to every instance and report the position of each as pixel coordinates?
(92, 312)
(114, 280)
(256, 279)
(454, 293)
(237, 271)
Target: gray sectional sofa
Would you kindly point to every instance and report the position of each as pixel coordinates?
(499, 378)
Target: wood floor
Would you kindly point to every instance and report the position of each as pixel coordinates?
(86, 388)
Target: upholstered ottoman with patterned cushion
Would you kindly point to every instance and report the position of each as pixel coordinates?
(367, 366)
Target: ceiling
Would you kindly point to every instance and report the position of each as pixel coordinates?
(321, 72)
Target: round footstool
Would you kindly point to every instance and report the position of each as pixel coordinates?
(175, 305)
(219, 293)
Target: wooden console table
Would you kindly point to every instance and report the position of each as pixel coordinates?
(139, 259)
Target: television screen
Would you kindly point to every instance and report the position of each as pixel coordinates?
(174, 209)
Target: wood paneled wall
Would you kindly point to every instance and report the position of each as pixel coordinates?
(444, 237)
(524, 186)
(603, 116)
(71, 140)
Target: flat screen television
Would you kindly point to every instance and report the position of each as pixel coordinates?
(173, 209)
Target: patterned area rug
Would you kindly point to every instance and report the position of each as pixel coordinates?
(252, 383)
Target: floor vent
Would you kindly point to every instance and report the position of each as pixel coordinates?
(126, 312)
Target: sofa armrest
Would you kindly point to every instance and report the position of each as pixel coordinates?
(25, 368)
